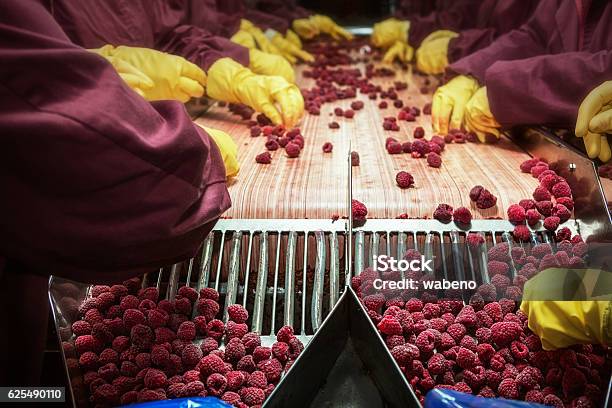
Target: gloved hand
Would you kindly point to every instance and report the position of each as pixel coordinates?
(431, 57)
(270, 64)
(173, 77)
(595, 120)
(228, 149)
(400, 50)
(133, 77)
(260, 39)
(388, 32)
(327, 26)
(287, 48)
(293, 38)
(448, 105)
(305, 28)
(231, 82)
(560, 321)
(478, 117)
(244, 38)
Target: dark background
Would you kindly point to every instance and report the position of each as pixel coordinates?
(352, 12)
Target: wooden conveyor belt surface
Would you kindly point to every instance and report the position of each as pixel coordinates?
(314, 185)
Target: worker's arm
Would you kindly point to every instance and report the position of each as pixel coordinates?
(99, 183)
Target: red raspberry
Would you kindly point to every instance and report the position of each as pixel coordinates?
(255, 131)
(516, 214)
(333, 125)
(533, 217)
(553, 401)
(293, 150)
(390, 326)
(521, 233)
(247, 364)
(486, 200)
(209, 293)
(497, 267)
(567, 202)
(474, 240)
(155, 378)
(561, 211)
(462, 215)
(261, 353)
(338, 112)
(233, 329)
(186, 331)
(541, 194)
(443, 213)
(263, 158)
(357, 105)
(534, 396)
(216, 384)
(295, 348)
(544, 207)
(349, 114)
(504, 333)
(237, 313)
(425, 341)
(551, 223)
(466, 317)
(211, 364)
(257, 379)
(508, 388)
(272, 368)
(529, 378)
(382, 105)
(437, 364)
(132, 317)
(394, 148)
(573, 382)
(419, 132)
(354, 159)
(404, 179)
(465, 358)
(405, 354)
(81, 328)
(527, 165)
(234, 350)
(561, 190)
(536, 171)
(280, 350)
(327, 147)
(359, 210)
(285, 334)
(421, 146)
(252, 396)
(272, 145)
(129, 302)
(434, 160)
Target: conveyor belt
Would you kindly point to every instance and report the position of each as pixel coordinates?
(314, 185)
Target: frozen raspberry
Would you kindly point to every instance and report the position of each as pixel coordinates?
(420, 146)
(437, 364)
(474, 240)
(237, 313)
(551, 223)
(443, 213)
(521, 233)
(405, 354)
(129, 302)
(434, 160)
(567, 202)
(561, 211)
(457, 331)
(233, 329)
(504, 333)
(354, 159)
(549, 180)
(81, 328)
(349, 113)
(132, 317)
(467, 316)
(394, 148)
(475, 192)
(155, 378)
(390, 326)
(486, 200)
(487, 291)
(285, 334)
(516, 214)
(263, 158)
(404, 179)
(563, 235)
(293, 150)
(216, 384)
(252, 396)
(465, 358)
(425, 341)
(357, 105)
(211, 364)
(529, 378)
(261, 353)
(573, 382)
(255, 131)
(497, 267)
(534, 396)
(359, 210)
(544, 207)
(327, 147)
(533, 217)
(272, 368)
(334, 125)
(257, 379)
(541, 194)
(527, 204)
(508, 388)
(462, 215)
(536, 171)
(186, 331)
(419, 132)
(485, 351)
(338, 112)
(247, 364)
(561, 190)
(89, 360)
(272, 145)
(433, 147)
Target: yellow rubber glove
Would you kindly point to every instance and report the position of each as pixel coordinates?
(478, 117)
(431, 56)
(270, 64)
(289, 50)
(228, 149)
(133, 77)
(279, 100)
(400, 50)
(173, 77)
(388, 32)
(260, 39)
(560, 321)
(448, 105)
(293, 38)
(244, 38)
(327, 26)
(305, 28)
(595, 120)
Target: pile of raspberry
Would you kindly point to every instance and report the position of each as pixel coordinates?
(484, 348)
(419, 147)
(552, 201)
(133, 347)
(277, 137)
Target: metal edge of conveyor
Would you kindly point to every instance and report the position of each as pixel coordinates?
(590, 209)
(347, 320)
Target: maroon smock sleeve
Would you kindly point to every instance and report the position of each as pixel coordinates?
(98, 184)
(456, 16)
(409, 9)
(285, 9)
(220, 17)
(495, 18)
(546, 89)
